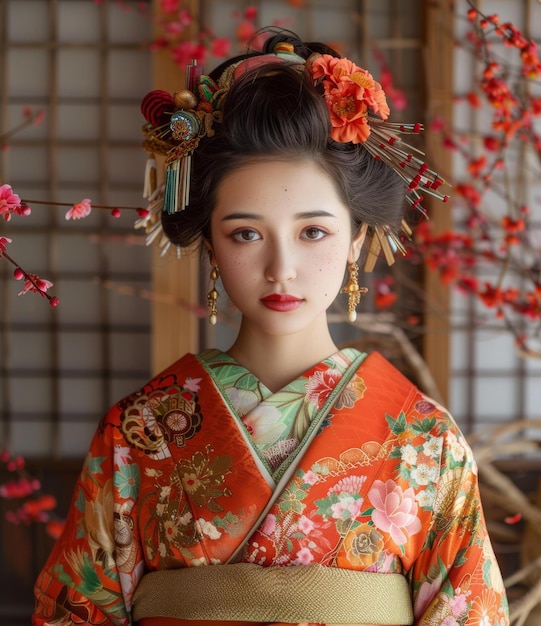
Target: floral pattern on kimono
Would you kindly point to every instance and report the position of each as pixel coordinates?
(178, 473)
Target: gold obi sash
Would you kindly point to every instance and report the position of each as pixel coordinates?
(245, 592)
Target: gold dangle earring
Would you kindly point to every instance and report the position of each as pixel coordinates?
(212, 296)
(354, 291)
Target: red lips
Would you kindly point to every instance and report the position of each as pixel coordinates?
(281, 302)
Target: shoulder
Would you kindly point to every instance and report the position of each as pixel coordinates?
(183, 373)
(406, 406)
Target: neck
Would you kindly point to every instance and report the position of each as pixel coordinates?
(277, 360)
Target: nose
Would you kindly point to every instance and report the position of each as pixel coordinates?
(280, 265)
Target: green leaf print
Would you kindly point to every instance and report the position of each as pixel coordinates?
(93, 467)
(398, 425)
(460, 558)
(227, 520)
(425, 425)
(324, 505)
(291, 500)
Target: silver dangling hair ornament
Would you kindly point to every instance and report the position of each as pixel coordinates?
(212, 296)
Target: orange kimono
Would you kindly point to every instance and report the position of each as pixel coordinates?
(179, 472)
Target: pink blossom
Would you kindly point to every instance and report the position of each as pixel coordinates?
(79, 210)
(3, 242)
(9, 202)
(33, 283)
(395, 511)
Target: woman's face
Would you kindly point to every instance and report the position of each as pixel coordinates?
(281, 238)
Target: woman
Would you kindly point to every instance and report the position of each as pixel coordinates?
(284, 480)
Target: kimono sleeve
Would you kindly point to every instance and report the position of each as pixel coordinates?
(96, 563)
(456, 579)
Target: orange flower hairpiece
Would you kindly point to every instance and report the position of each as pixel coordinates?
(351, 93)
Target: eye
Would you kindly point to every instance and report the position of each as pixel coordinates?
(313, 233)
(246, 234)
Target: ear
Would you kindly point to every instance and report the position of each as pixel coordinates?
(357, 243)
(210, 250)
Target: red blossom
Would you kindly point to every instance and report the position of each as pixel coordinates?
(531, 66)
(491, 296)
(475, 166)
(185, 52)
(469, 192)
(169, 7)
(244, 31)
(511, 225)
(54, 528)
(221, 47)
(385, 296)
(474, 100)
(492, 144)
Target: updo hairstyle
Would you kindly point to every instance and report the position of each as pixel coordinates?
(275, 112)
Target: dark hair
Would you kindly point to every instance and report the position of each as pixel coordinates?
(277, 113)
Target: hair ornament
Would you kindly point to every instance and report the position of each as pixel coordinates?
(358, 112)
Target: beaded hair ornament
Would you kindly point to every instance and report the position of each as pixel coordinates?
(358, 110)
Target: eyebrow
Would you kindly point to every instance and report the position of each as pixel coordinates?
(299, 216)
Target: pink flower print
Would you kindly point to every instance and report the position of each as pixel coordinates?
(320, 386)
(427, 593)
(458, 604)
(304, 557)
(347, 507)
(192, 384)
(395, 511)
(306, 525)
(349, 484)
(269, 525)
(79, 210)
(9, 202)
(310, 478)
